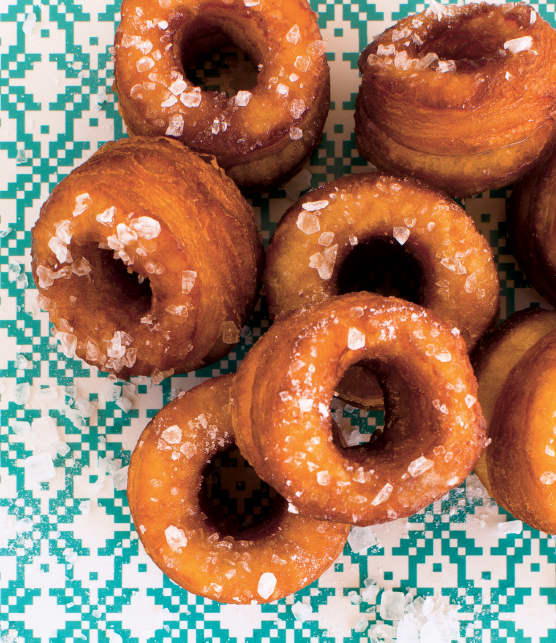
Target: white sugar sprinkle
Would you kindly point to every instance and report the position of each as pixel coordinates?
(361, 539)
(313, 206)
(419, 466)
(401, 234)
(82, 202)
(38, 468)
(305, 404)
(517, 45)
(386, 50)
(323, 478)
(292, 508)
(326, 238)
(470, 400)
(443, 356)
(175, 537)
(323, 262)
(106, 217)
(296, 133)
(59, 249)
(301, 611)
(293, 35)
(178, 86)
(169, 102)
(242, 98)
(548, 478)
(266, 585)
(125, 234)
(446, 66)
(297, 107)
(356, 339)
(382, 495)
(172, 434)
(192, 98)
(144, 64)
(510, 527)
(146, 227)
(63, 231)
(308, 223)
(175, 125)
(302, 63)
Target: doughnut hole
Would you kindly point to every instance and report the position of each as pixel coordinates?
(113, 285)
(235, 501)
(469, 41)
(214, 60)
(384, 266)
(354, 427)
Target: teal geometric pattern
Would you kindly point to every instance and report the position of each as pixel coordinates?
(71, 564)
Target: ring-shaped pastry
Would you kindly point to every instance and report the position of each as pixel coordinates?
(164, 484)
(434, 429)
(147, 259)
(532, 228)
(259, 136)
(448, 96)
(516, 369)
(374, 232)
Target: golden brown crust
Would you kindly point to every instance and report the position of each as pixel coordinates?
(462, 97)
(171, 218)
(435, 429)
(532, 228)
(166, 472)
(258, 136)
(516, 372)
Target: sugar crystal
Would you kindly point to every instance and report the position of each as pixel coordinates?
(175, 538)
(146, 227)
(308, 223)
(266, 585)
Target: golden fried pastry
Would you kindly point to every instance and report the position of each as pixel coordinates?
(147, 259)
(164, 490)
(461, 97)
(434, 429)
(516, 369)
(382, 234)
(259, 136)
(533, 228)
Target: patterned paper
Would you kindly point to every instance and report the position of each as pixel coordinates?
(71, 565)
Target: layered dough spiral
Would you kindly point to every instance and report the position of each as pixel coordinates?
(532, 227)
(258, 136)
(376, 232)
(147, 259)
(516, 369)
(434, 429)
(164, 483)
(461, 97)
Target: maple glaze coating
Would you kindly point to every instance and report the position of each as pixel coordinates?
(150, 210)
(434, 426)
(311, 247)
(516, 369)
(460, 97)
(164, 483)
(532, 228)
(259, 137)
